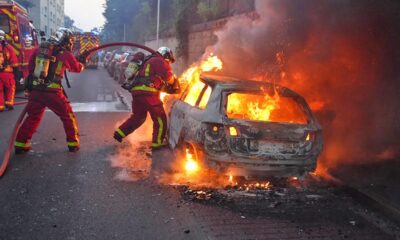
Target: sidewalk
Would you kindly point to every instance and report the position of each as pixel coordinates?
(378, 181)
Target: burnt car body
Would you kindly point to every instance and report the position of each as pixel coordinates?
(242, 147)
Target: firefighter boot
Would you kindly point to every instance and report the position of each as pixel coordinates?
(20, 150)
(73, 148)
(118, 137)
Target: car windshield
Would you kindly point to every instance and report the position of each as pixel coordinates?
(263, 107)
(4, 23)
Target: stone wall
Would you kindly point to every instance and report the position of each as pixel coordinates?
(201, 36)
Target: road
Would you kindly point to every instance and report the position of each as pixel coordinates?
(113, 191)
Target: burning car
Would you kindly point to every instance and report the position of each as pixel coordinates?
(246, 128)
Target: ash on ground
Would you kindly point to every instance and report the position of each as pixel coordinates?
(257, 198)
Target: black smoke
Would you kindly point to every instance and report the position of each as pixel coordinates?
(343, 55)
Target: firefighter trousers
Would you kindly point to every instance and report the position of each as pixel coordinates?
(140, 106)
(7, 90)
(56, 102)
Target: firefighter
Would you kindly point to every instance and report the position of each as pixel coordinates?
(155, 75)
(9, 71)
(44, 88)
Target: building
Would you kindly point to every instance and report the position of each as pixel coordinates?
(47, 15)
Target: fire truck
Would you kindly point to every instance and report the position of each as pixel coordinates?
(86, 41)
(20, 33)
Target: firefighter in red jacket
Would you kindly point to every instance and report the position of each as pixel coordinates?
(8, 67)
(155, 75)
(47, 67)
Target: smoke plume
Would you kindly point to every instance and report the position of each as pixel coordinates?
(343, 56)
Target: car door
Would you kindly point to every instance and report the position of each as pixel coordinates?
(186, 114)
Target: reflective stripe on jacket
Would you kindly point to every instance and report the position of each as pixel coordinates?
(158, 70)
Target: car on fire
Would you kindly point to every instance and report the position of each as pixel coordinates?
(246, 128)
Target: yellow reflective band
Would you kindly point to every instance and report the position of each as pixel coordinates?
(59, 67)
(76, 131)
(160, 130)
(147, 71)
(10, 15)
(158, 144)
(51, 85)
(11, 102)
(120, 132)
(144, 88)
(73, 144)
(23, 145)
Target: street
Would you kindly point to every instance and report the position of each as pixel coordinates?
(109, 190)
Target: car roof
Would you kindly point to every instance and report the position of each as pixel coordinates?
(232, 82)
(237, 84)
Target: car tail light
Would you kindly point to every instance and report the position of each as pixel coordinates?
(215, 128)
(233, 132)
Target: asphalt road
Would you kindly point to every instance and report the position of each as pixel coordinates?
(112, 191)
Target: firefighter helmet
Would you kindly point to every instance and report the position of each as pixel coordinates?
(2, 35)
(63, 37)
(167, 54)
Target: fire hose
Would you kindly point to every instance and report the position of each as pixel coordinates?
(82, 58)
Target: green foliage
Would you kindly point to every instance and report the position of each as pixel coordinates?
(68, 22)
(185, 18)
(176, 16)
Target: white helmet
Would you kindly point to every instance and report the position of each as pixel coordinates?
(167, 54)
(63, 36)
(2, 35)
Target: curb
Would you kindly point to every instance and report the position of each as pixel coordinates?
(369, 198)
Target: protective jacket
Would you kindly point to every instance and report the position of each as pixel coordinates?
(8, 61)
(48, 93)
(154, 75)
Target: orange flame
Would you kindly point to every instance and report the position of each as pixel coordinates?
(191, 166)
(191, 77)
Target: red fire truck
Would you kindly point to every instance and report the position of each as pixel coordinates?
(86, 41)
(20, 32)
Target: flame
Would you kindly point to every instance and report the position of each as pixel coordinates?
(308, 138)
(252, 107)
(230, 180)
(191, 77)
(256, 186)
(191, 165)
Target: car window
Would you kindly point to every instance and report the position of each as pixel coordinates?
(262, 107)
(195, 89)
(4, 23)
(25, 31)
(205, 97)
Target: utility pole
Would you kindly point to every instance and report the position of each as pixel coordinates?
(158, 24)
(124, 32)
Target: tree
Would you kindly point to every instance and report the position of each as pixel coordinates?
(68, 22)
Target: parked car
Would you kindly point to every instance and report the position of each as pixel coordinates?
(121, 66)
(111, 66)
(107, 59)
(214, 120)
